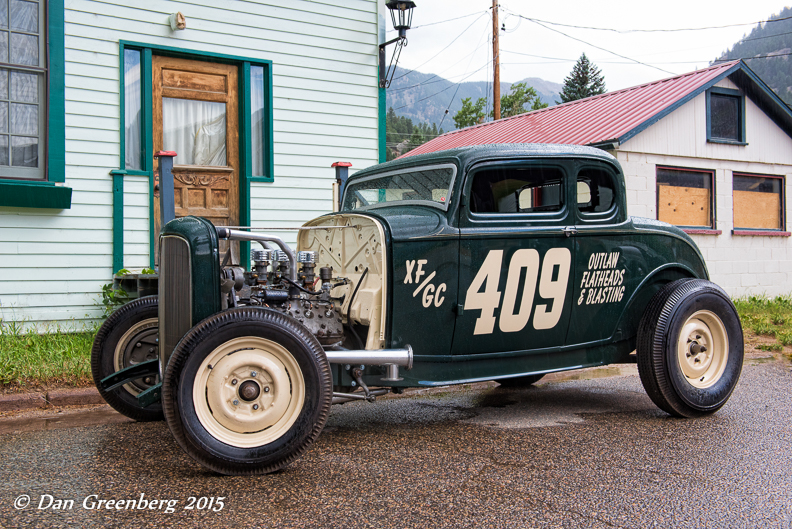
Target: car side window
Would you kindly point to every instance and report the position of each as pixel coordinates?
(595, 191)
(517, 190)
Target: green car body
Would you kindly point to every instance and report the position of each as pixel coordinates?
(613, 264)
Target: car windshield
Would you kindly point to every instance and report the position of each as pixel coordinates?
(429, 186)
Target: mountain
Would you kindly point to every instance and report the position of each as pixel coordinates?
(424, 97)
(770, 38)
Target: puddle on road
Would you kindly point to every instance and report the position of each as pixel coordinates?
(52, 420)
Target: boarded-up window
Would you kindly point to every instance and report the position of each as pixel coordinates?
(684, 197)
(758, 202)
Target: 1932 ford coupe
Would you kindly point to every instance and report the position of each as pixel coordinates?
(499, 262)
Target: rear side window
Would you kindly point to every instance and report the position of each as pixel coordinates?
(517, 190)
(595, 191)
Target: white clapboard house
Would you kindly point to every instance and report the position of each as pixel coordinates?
(709, 151)
(257, 97)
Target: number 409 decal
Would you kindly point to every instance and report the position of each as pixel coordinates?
(512, 319)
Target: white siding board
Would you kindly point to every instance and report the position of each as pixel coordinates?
(91, 71)
(82, 95)
(91, 135)
(92, 83)
(303, 116)
(323, 130)
(92, 147)
(98, 123)
(336, 99)
(109, 60)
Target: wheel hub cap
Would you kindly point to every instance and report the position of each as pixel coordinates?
(249, 391)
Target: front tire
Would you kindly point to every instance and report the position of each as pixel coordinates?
(690, 348)
(247, 391)
(129, 336)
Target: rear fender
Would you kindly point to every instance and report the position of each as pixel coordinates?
(651, 284)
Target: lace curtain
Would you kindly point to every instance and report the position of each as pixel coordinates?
(196, 130)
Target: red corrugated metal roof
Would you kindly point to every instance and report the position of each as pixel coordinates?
(587, 121)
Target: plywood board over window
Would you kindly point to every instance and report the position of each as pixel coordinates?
(685, 206)
(758, 202)
(685, 197)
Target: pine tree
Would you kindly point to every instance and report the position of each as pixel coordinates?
(585, 80)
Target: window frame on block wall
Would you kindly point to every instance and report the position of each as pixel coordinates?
(741, 184)
(685, 178)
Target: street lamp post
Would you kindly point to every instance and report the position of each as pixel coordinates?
(401, 16)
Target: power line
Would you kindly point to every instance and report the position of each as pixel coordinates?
(595, 46)
(767, 37)
(444, 49)
(429, 80)
(449, 20)
(650, 30)
(460, 83)
(562, 59)
(444, 89)
(769, 56)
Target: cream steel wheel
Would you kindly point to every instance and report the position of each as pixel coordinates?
(703, 349)
(248, 392)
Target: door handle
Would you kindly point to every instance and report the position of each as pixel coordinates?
(569, 230)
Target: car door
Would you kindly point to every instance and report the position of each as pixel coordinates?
(515, 258)
(611, 259)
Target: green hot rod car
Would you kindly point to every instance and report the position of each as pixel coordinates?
(498, 262)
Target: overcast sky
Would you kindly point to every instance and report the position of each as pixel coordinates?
(675, 52)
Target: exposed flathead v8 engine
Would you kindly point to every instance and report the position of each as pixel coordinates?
(334, 284)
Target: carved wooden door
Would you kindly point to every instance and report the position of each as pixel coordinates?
(196, 115)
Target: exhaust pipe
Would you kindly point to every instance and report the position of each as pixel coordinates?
(378, 357)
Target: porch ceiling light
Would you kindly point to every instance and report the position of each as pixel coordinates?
(401, 16)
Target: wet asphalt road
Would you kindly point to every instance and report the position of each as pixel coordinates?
(580, 453)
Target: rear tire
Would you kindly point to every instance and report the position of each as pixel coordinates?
(690, 348)
(519, 382)
(247, 391)
(116, 347)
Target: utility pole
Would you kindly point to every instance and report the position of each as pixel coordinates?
(495, 62)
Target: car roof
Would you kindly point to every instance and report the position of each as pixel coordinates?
(466, 156)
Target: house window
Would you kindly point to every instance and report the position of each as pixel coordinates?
(685, 197)
(758, 202)
(725, 116)
(133, 103)
(22, 89)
